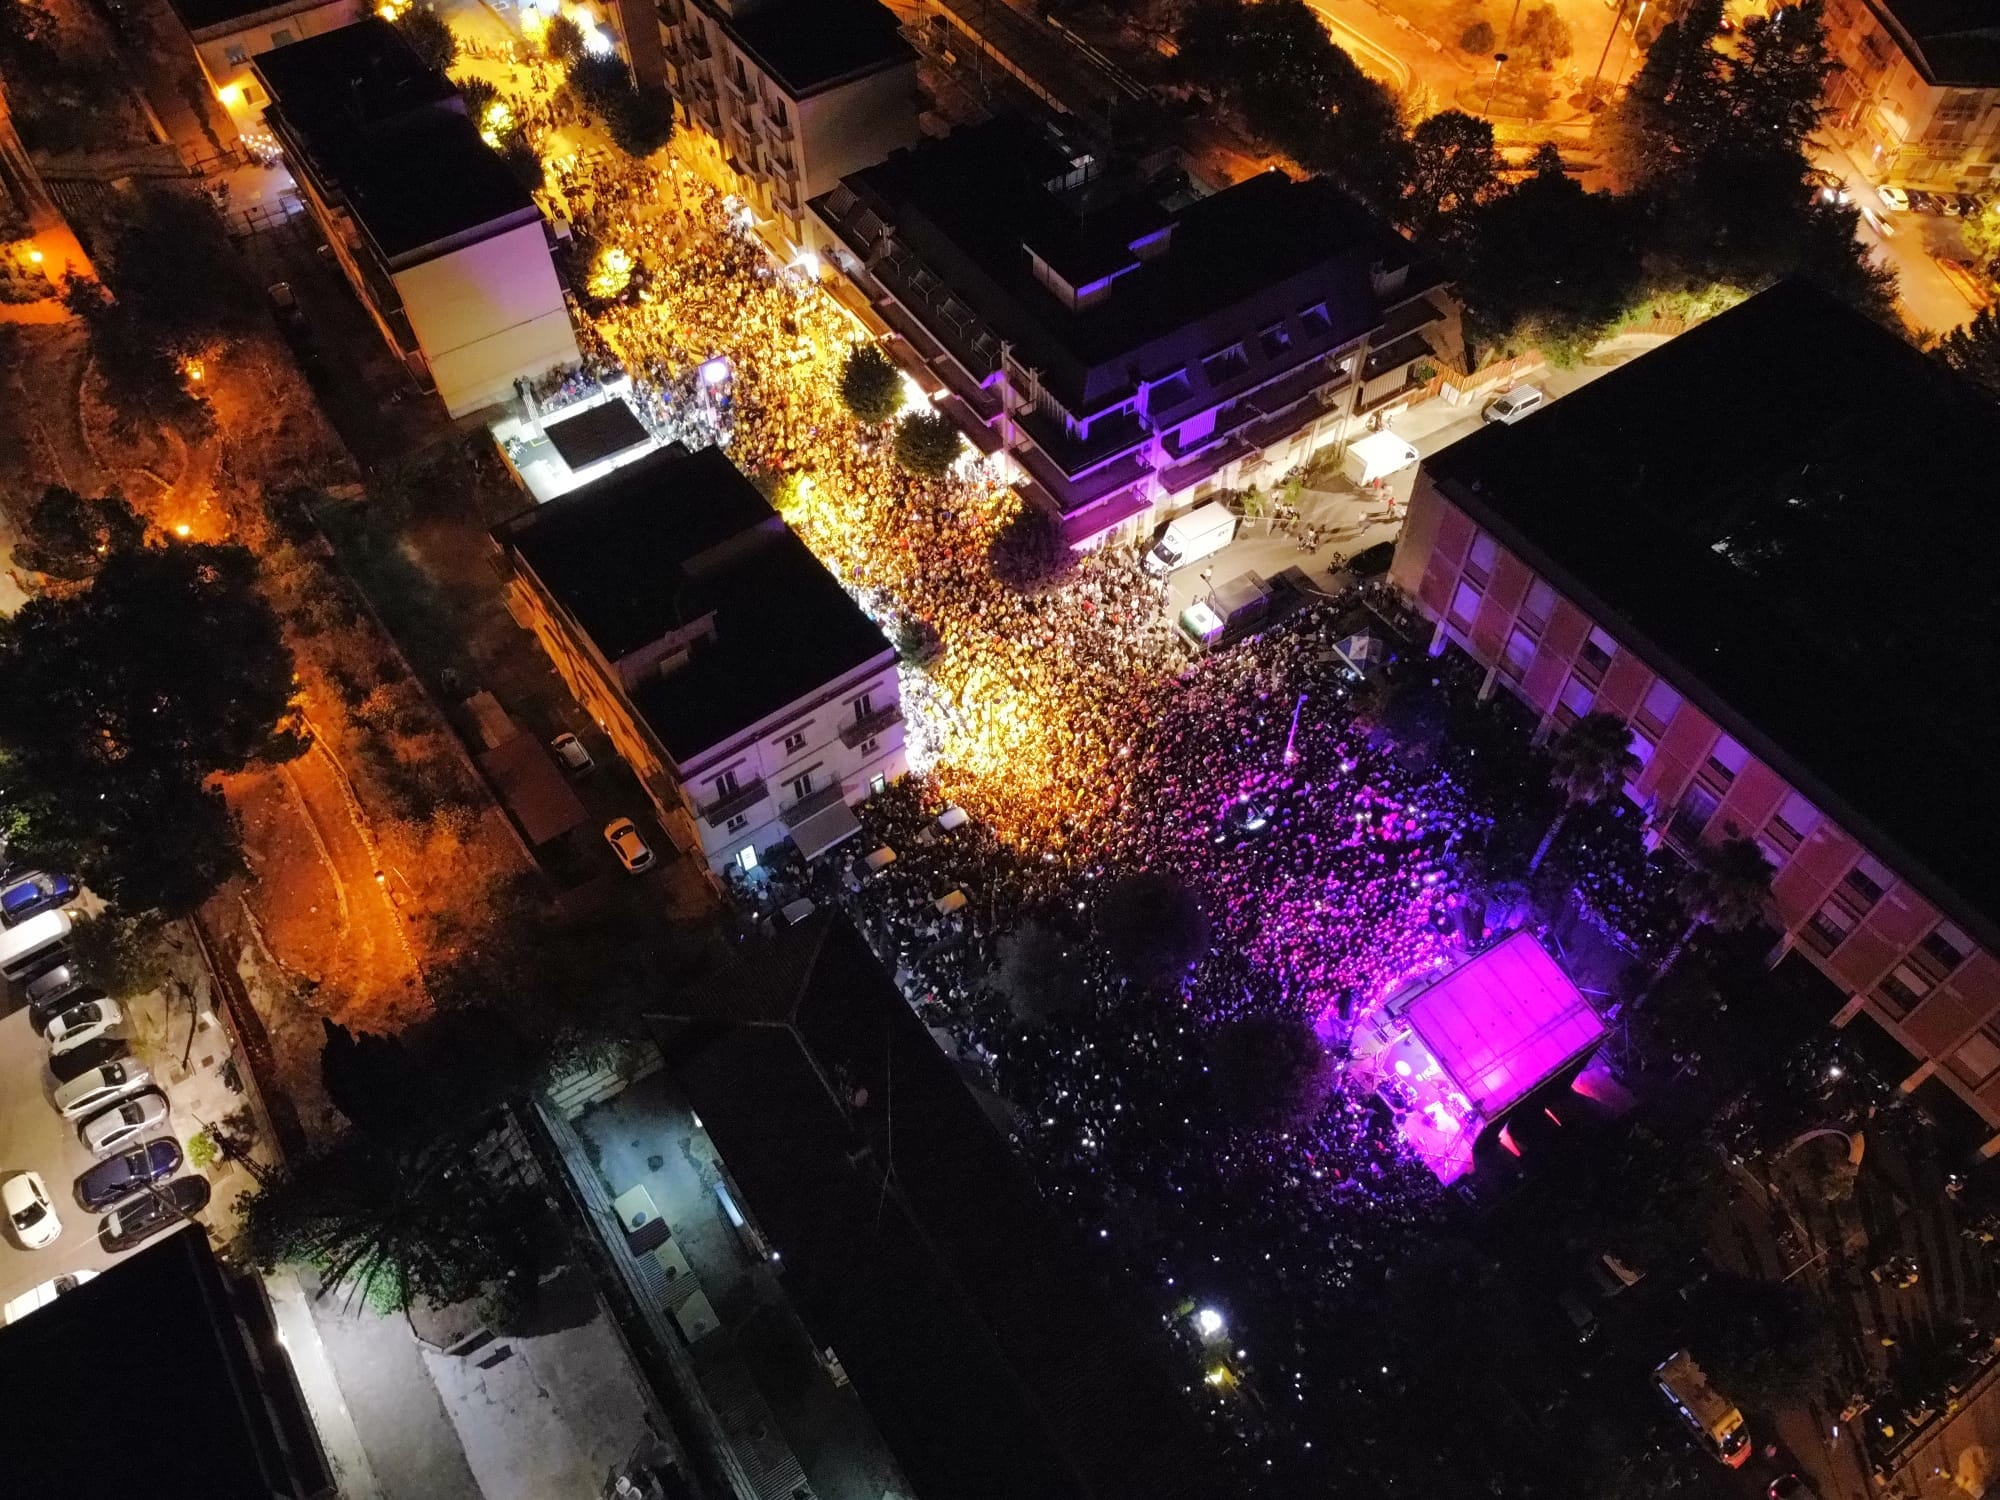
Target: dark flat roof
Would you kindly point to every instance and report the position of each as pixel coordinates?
(1790, 506)
(156, 1330)
(995, 1360)
(599, 432)
(970, 206)
(812, 45)
(1958, 41)
(392, 135)
(199, 15)
(655, 545)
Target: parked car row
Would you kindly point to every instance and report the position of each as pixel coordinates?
(1917, 200)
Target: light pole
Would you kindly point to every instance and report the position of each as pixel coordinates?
(1499, 62)
(1637, 17)
(1607, 43)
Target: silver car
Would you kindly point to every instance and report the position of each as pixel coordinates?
(100, 1086)
(124, 1122)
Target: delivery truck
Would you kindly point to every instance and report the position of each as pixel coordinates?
(1231, 611)
(1202, 532)
(1374, 457)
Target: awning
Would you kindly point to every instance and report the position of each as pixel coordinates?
(825, 828)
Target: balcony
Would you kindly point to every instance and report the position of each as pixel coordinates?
(863, 729)
(811, 803)
(742, 800)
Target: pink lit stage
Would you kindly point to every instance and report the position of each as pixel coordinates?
(1466, 1048)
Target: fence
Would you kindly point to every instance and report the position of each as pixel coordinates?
(287, 220)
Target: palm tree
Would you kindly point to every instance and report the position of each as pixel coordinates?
(1588, 765)
(1724, 887)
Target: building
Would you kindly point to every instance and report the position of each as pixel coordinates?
(209, 1382)
(752, 697)
(1132, 354)
(786, 97)
(226, 34)
(984, 1346)
(1760, 546)
(1917, 89)
(441, 242)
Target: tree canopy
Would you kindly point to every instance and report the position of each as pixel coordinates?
(68, 535)
(1153, 927)
(871, 387)
(429, 36)
(1270, 1070)
(927, 443)
(1974, 351)
(1453, 168)
(1029, 553)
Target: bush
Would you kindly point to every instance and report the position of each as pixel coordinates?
(1477, 38)
(927, 443)
(871, 387)
(1029, 553)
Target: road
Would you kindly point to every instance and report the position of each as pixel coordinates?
(1930, 301)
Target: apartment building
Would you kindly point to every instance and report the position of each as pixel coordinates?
(750, 695)
(1132, 347)
(440, 241)
(226, 34)
(1917, 90)
(1759, 546)
(786, 97)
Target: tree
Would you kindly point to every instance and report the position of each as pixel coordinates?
(1724, 887)
(1040, 974)
(1543, 36)
(1766, 1343)
(600, 79)
(174, 270)
(429, 36)
(1029, 553)
(641, 121)
(144, 382)
(1153, 927)
(1588, 764)
(1453, 167)
(927, 443)
(125, 954)
(563, 39)
(871, 387)
(1477, 39)
(1981, 235)
(68, 536)
(1974, 351)
(1270, 1071)
(1407, 714)
(373, 1081)
(1775, 78)
(478, 93)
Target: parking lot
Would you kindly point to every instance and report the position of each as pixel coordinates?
(162, 1028)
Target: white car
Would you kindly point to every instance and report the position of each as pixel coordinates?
(82, 1023)
(30, 1210)
(575, 759)
(1894, 199)
(123, 1123)
(41, 1296)
(1509, 407)
(101, 1085)
(622, 834)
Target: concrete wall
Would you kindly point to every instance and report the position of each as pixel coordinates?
(487, 314)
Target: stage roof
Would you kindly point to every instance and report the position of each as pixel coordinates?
(1504, 1022)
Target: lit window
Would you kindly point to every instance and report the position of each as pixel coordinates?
(1577, 696)
(1660, 705)
(1868, 880)
(1793, 821)
(1464, 606)
(1539, 606)
(1479, 562)
(746, 857)
(1597, 652)
(877, 784)
(1642, 751)
(1726, 760)
(1519, 654)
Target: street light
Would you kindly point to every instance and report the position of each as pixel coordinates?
(1499, 62)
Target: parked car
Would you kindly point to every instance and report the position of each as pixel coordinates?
(97, 1088)
(36, 1298)
(1894, 199)
(30, 1211)
(123, 1123)
(73, 1065)
(1791, 1487)
(1372, 560)
(1509, 407)
(1963, 204)
(137, 1221)
(35, 892)
(82, 1023)
(1828, 186)
(575, 759)
(52, 984)
(122, 1175)
(622, 834)
(1924, 203)
(57, 998)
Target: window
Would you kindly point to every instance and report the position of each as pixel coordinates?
(795, 742)
(1792, 822)
(1538, 607)
(1314, 321)
(1642, 751)
(877, 783)
(237, 56)
(282, 38)
(1479, 561)
(1976, 1060)
(1828, 928)
(1691, 817)
(1724, 762)
(1274, 340)
(1224, 365)
(1464, 606)
(868, 746)
(801, 785)
(1947, 947)
(1520, 653)
(1867, 881)
(746, 858)
(726, 785)
(1657, 711)
(1598, 649)
(863, 707)
(1577, 696)
(737, 824)
(1902, 988)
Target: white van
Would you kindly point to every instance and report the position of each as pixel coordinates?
(1202, 532)
(23, 948)
(1510, 406)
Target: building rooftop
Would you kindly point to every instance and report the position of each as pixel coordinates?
(1785, 510)
(1956, 43)
(809, 46)
(595, 433)
(989, 1353)
(1183, 282)
(652, 548)
(390, 134)
(199, 15)
(160, 1328)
